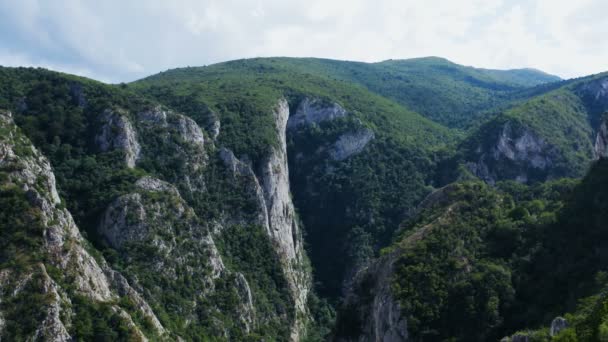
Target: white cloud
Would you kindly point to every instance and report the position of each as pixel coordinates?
(124, 40)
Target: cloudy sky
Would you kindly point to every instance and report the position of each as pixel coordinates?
(122, 40)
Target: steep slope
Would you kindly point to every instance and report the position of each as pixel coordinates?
(54, 286)
(478, 263)
(445, 92)
(153, 193)
(352, 153)
(199, 193)
(552, 135)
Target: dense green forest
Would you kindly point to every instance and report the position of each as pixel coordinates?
(461, 182)
(494, 260)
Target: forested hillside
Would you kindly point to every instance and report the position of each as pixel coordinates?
(303, 199)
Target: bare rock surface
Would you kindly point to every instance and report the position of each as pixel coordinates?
(314, 111)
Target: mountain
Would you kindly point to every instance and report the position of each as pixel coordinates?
(300, 199)
(555, 134)
(477, 262)
(450, 94)
(183, 240)
(352, 153)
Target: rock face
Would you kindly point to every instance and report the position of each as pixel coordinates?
(269, 188)
(282, 223)
(600, 147)
(157, 216)
(371, 302)
(517, 153)
(181, 139)
(350, 144)
(117, 133)
(63, 245)
(314, 111)
(157, 232)
(595, 94)
(558, 324)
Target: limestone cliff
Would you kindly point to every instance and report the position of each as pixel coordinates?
(600, 147)
(370, 305)
(62, 248)
(117, 133)
(282, 222)
(314, 111)
(269, 188)
(514, 152)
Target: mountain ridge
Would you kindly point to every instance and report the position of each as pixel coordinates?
(267, 197)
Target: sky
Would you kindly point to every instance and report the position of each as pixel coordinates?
(124, 40)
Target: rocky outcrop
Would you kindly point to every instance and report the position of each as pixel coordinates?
(64, 248)
(117, 133)
(212, 124)
(246, 309)
(516, 153)
(315, 111)
(282, 223)
(157, 118)
(51, 328)
(373, 306)
(156, 216)
(558, 324)
(254, 191)
(350, 143)
(269, 188)
(600, 148)
(595, 95)
(183, 144)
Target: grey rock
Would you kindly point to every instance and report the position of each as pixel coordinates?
(525, 146)
(381, 315)
(213, 124)
(155, 116)
(117, 133)
(134, 218)
(123, 221)
(350, 143)
(314, 111)
(282, 224)
(520, 338)
(179, 136)
(596, 93)
(516, 151)
(558, 324)
(63, 244)
(51, 328)
(189, 131)
(247, 310)
(152, 184)
(600, 147)
(239, 169)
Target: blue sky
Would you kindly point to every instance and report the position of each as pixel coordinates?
(123, 40)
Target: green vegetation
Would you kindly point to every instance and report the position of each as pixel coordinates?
(21, 240)
(352, 207)
(447, 93)
(564, 120)
(247, 248)
(244, 92)
(481, 263)
(99, 322)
